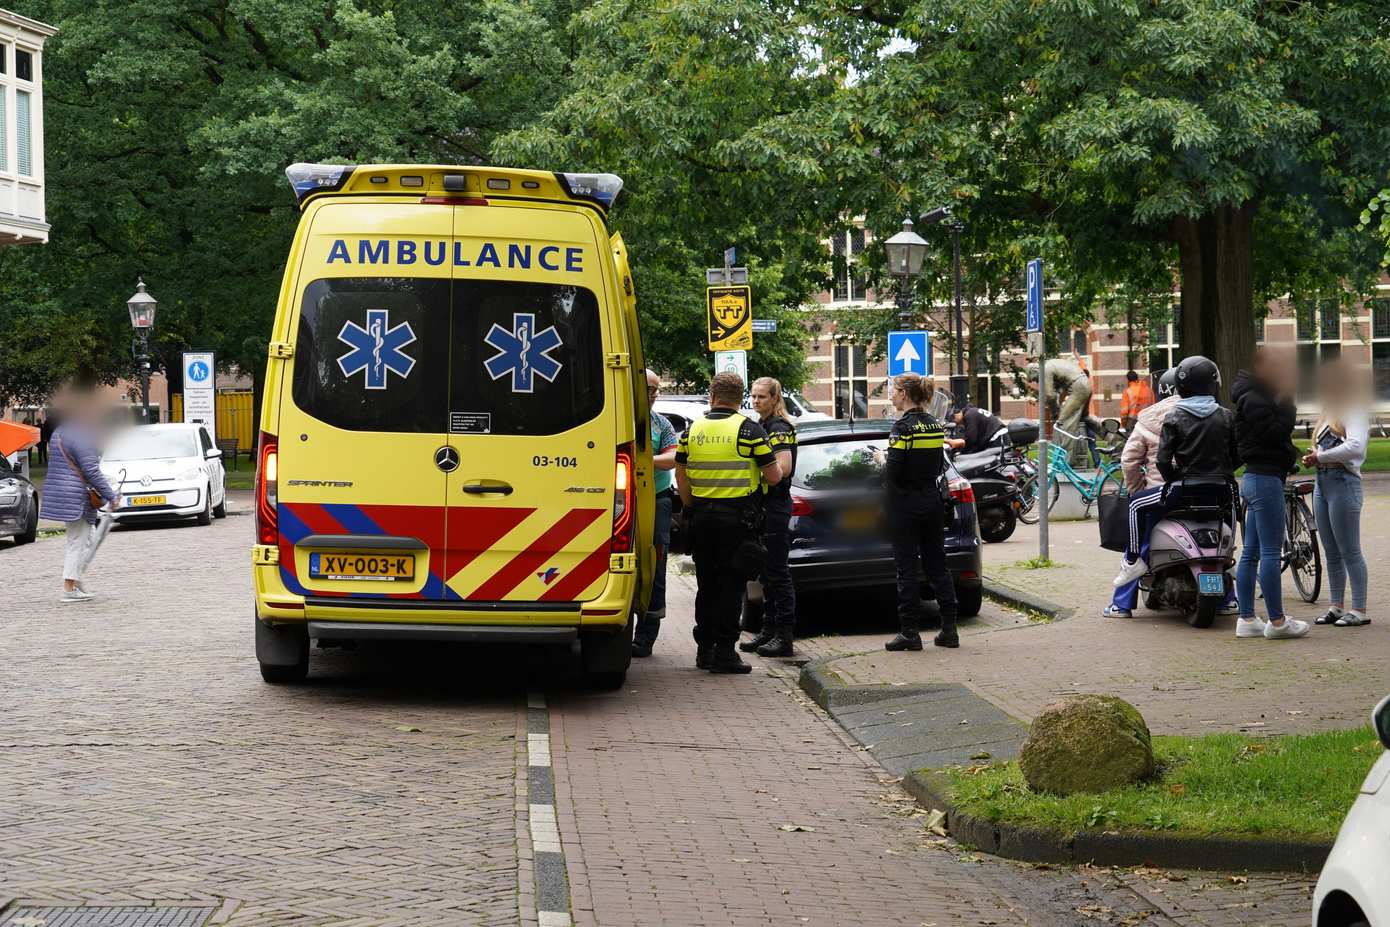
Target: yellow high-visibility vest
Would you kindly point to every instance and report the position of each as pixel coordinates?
(719, 462)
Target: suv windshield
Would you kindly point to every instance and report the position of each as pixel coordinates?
(151, 444)
(831, 464)
(410, 354)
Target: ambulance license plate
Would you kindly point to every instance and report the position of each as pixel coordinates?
(135, 501)
(1211, 583)
(379, 567)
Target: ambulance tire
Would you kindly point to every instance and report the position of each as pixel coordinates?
(283, 652)
(606, 655)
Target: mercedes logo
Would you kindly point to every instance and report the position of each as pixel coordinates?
(446, 459)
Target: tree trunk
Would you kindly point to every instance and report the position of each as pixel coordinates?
(1216, 254)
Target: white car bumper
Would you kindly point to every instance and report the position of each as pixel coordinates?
(182, 499)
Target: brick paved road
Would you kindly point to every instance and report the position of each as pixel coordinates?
(143, 761)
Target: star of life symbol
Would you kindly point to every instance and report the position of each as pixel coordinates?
(522, 352)
(376, 349)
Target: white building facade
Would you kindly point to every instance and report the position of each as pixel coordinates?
(23, 220)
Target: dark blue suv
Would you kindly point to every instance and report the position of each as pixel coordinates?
(839, 539)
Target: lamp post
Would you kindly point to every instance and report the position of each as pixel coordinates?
(905, 250)
(141, 307)
(960, 383)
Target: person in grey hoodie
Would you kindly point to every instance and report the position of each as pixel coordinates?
(1197, 441)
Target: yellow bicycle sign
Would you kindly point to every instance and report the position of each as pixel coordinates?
(730, 317)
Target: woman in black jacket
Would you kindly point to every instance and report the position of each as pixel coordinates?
(1264, 438)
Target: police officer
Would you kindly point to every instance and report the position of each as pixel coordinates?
(721, 461)
(779, 596)
(913, 466)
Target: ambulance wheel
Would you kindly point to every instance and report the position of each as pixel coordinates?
(606, 655)
(205, 516)
(283, 652)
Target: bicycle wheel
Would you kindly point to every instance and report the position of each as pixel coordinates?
(1026, 505)
(1054, 492)
(1301, 553)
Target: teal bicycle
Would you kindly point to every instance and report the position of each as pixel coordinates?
(1108, 477)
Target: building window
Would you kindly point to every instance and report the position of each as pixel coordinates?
(1380, 318)
(1163, 343)
(851, 374)
(4, 59)
(845, 249)
(1380, 368)
(1330, 320)
(23, 65)
(1260, 331)
(23, 136)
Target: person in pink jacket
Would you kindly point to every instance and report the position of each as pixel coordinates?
(1139, 461)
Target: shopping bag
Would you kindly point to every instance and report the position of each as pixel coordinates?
(1113, 511)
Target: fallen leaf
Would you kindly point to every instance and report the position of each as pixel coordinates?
(1177, 789)
(1238, 880)
(982, 755)
(795, 828)
(936, 822)
(407, 729)
(740, 860)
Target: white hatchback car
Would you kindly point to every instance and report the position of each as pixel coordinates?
(1353, 890)
(681, 410)
(166, 471)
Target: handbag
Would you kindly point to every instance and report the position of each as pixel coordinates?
(94, 498)
(1113, 517)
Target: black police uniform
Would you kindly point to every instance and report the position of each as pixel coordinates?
(916, 519)
(723, 456)
(779, 595)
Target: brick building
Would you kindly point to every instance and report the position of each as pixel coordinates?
(841, 368)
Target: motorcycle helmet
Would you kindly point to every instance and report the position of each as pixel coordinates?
(1198, 376)
(1168, 383)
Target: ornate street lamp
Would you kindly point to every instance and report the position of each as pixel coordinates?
(142, 306)
(906, 251)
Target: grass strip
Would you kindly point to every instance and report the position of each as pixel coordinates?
(1295, 785)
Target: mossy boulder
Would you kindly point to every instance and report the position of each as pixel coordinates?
(1086, 743)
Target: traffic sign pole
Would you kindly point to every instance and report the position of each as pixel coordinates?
(1035, 325)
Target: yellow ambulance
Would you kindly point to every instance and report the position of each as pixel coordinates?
(454, 440)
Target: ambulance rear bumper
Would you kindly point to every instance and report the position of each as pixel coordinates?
(461, 633)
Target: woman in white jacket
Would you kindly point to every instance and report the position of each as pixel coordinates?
(1338, 451)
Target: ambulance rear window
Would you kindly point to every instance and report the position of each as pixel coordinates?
(409, 354)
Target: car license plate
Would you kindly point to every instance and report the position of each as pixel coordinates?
(859, 521)
(1211, 583)
(380, 567)
(136, 501)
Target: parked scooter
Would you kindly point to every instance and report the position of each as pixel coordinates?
(1190, 552)
(995, 476)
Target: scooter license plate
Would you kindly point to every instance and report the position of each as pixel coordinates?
(1211, 583)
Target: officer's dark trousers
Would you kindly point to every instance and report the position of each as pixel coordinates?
(779, 595)
(916, 520)
(716, 531)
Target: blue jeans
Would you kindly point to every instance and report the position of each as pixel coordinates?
(1337, 506)
(1264, 544)
(649, 624)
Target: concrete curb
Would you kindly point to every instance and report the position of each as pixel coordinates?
(1167, 850)
(1022, 598)
(1164, 849)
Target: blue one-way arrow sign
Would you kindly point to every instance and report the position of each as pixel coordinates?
(909, 352)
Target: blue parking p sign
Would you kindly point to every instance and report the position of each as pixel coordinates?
(1035, 296)
(909, 352)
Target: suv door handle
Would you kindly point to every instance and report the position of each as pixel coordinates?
(485, 487)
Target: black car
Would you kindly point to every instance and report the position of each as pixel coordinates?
(839, 539)
(19, 505)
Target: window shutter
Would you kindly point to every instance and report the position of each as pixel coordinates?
(22, 133)
(4, 126)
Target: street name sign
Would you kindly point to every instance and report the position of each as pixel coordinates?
(909, 352)
(764, 326)
(730, 318)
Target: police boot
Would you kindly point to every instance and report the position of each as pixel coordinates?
(947, 636)
(726, 660)
(781, 643)
(704, 656)
(758, 642)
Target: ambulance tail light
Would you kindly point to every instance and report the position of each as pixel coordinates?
(624, 509)
(267, 491)
(599, 188)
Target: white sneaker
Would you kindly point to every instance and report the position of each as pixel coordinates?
(1129, 572)
(1250, 627)
(1232, 609)
(75, 595)
(1290, 629)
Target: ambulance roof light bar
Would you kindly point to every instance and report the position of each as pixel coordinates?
(599, 188)
(307, 179)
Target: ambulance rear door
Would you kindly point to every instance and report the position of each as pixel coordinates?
(363, 444)
(531, 413)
